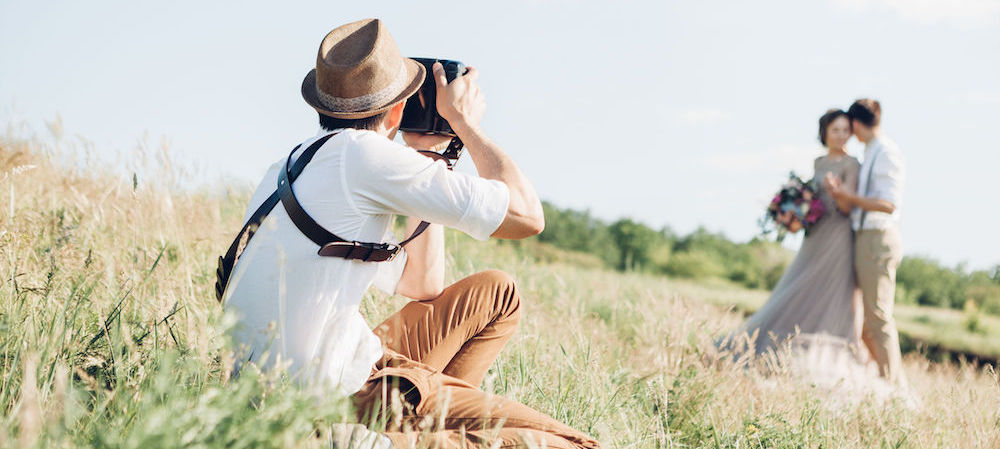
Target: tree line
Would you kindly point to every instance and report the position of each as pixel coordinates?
(628, 245)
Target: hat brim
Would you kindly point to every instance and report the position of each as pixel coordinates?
(414, 70)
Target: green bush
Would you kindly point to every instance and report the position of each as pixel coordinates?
(984, 291)
(694, 265)
(928, 283)
(578, 231)
(635, 243)
(922, 280)
(629, 245)
(660, 256)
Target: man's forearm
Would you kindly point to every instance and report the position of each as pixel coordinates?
(423, 275)
(493, 163)
(844, 205)
(871, 204)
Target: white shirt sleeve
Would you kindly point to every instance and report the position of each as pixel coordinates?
(887, 178)
(389, 178)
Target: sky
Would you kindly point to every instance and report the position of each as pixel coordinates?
(680, 114)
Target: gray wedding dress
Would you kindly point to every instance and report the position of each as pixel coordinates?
(810, 327)
(817, 299)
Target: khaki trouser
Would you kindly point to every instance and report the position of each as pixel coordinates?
(436, 355)
(877, 253)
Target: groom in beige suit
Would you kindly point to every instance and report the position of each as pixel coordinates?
(878, 248)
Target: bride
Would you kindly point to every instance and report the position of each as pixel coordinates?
(815, 306)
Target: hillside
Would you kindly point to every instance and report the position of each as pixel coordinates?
(111, 337)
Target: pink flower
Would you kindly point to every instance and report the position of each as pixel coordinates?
(816, 211)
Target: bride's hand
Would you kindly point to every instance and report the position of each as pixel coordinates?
(832, 184)
(831, 181)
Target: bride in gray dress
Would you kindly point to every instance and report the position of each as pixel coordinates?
(815, 306)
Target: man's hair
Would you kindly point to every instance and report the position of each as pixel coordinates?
(370, 123)
(867, 111)
(827, 119)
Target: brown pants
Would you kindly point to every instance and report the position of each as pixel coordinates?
(436, 354)
(877, 253)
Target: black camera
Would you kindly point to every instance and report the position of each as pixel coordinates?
(420, 114)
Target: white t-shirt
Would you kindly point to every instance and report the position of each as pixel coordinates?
(302, 309)
(888, 173)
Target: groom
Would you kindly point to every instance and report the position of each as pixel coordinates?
(878, 248)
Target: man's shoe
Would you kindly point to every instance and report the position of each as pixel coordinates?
(356, 436)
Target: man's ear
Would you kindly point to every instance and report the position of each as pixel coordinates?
(395, 115)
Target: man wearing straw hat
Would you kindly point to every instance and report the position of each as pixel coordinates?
(299, 309)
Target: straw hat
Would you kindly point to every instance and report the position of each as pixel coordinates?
(360, 72)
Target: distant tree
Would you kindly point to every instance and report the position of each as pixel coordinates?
(926, 282)
(578, 231)
(694, 265)
(630, 245)
(669, 235)
(716, 253)
(983, 291)
(635, 242)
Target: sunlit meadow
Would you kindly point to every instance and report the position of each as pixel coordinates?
(110, 335)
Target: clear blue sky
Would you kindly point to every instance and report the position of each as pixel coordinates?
(673, 113)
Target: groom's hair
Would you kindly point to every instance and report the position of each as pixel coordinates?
(867, 111)
(827, 119)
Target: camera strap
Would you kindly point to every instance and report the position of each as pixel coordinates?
(330, 244)
(228, 261)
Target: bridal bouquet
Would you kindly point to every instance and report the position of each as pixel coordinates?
(794, 208)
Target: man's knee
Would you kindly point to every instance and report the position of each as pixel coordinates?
(508, 301)
(495, 277)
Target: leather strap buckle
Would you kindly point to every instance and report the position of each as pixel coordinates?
(391, 248)
(363, 251)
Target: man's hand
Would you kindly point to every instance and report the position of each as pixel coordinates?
(429, 142)
(847, 200)
(459, 102)
(462, 105)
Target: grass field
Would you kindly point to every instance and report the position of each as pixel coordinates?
(110, 336)
(939, 333)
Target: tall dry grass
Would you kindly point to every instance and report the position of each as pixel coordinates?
(109, 332)
(110, 337)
